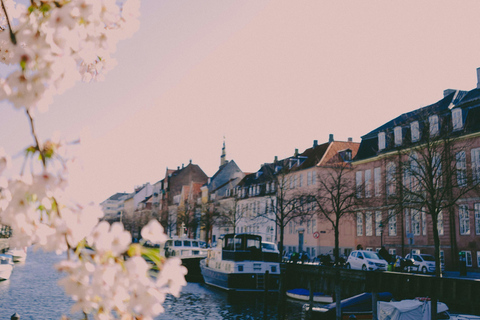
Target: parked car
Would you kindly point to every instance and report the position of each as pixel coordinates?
(365, 260)
(425, 263)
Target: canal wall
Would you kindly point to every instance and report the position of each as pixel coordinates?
(460, 295)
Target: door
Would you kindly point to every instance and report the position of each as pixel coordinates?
(300, 242)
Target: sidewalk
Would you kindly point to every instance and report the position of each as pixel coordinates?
(456, 274)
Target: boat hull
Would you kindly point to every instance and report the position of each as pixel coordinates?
(251, 282)
(5, 271)
(304, 295)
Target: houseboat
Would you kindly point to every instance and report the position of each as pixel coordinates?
(238, 263)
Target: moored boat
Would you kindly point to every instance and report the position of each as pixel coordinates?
(238, 263)
(6, 266)
(190, 251)
(304, 295)
(18, 254)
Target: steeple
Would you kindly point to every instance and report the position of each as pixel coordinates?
(223, 160)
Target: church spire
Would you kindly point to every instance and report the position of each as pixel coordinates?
(223, 160)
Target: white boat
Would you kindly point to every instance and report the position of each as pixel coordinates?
(6, 266)
(416, 309)
(304, 295)
(238, 263)
(190, 251)
(19, 255)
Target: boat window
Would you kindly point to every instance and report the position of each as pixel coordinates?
(168, 243)
(187, 243)
(253, 243)
(238, 243)
(195, 244)
(178, 243)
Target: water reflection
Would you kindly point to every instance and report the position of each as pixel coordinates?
(33, 293)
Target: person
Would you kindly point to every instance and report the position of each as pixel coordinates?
(383, 253)
(359, 247)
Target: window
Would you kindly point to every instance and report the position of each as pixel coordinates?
(392, 223)
(300, 184)
(437, 170)
(377, 178)
(433, 122)
(468, 256)
(390, 178)
(381, 141)
(476, 165)
(478, 258)
(267, 187)
(461, 159)
(378, 223)
(314, 178)
(440, 223)
(415, 131)
(359, 224)
(477, 219)
(424, 223)
(398, 136)
(464, 220)
(415, 222)
(368, 223)
(368, 183)
(407, 221)
(457, 120)
(309, 178)
(358, 183)
(369, 249)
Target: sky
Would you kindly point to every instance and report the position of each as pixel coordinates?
(269, 76)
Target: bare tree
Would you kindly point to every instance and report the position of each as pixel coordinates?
(335, 198)
(230, 213)
(209, 218)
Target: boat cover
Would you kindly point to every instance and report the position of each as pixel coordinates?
(407, 310)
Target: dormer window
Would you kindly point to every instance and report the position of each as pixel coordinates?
(398, 136)
(415, 131)
(433, 121)
(381, 141)
(457, 120)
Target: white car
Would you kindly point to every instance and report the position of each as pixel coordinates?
(365, 260)
(425, 263)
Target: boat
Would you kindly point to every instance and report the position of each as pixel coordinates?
(190, 251)
(19, 255)
(6, 266)
(418, 308)
(304, 295)
(359, 306)
(238, 263)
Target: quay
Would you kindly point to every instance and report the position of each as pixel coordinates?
(460, 294)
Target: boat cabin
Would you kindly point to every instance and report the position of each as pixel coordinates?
(241, 247)
(184, 247)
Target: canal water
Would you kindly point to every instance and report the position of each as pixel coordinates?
(32, 292)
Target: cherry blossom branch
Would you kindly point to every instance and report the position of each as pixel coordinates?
(12, 35)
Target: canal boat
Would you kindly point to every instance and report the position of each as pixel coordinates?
(304, 295)
(359, 306)
(238, 263)
(6, 266)
(18, 254)
(191, 252)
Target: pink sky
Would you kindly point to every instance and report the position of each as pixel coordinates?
(271, 76)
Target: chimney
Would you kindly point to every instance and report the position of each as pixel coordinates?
(350, 139)
(330, 137)
(275, 159)
(478, 77)
(315, 143)
(296, 153)
(178, 167)
(183, 166)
